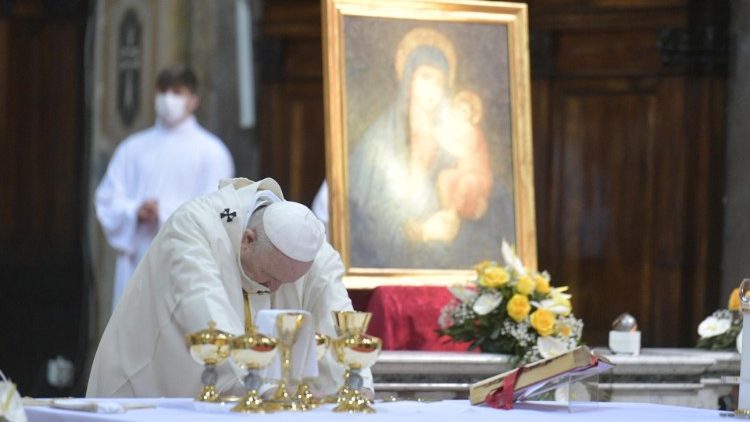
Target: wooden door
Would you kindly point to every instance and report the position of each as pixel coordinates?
(628, 160)
(41, 201)
(291, 98)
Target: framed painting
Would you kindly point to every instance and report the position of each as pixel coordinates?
(428, 137)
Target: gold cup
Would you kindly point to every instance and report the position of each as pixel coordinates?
(288, 326)
(355, 350)
(209, 347)
(351, 322)
(252, 351)
(347, 323)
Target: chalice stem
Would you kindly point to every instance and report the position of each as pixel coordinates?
(249, 328)
(282, 394)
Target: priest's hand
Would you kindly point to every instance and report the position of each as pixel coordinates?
(148, 212)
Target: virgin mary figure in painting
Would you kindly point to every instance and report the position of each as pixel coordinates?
(407, 175)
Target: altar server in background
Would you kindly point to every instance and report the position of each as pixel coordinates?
(154, 171)
(245, 236)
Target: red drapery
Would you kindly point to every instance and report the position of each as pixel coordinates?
(406, 318)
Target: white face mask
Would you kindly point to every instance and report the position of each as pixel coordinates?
(171, 108)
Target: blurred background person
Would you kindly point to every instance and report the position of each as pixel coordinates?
(154, 171)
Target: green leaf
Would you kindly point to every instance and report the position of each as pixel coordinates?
(496, 333)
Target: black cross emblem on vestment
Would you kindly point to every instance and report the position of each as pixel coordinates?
(228, 215)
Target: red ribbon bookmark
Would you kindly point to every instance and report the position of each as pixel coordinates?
(502, 397)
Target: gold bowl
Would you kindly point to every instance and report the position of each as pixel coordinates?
(254, 350)
(358, 351)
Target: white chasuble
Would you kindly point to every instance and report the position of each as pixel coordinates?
(190, 276)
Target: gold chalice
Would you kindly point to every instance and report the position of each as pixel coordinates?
(209, 347)
(355, 350)
(351, 322)
(303, 395)
(252, 351)
(288, 326)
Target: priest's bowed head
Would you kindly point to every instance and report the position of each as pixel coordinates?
(283, 251)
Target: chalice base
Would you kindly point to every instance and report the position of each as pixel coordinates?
(339, 397)
(305, 397)
(354, 402)
(251, 403)
(282, 400)
(208, 394)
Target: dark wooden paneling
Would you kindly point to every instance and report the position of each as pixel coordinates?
(629, 144)
(293, 143)
(5, 159)
(605, 197)
(291, 110)
(610, 52)
(41, 134)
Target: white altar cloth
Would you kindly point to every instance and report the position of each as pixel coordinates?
(184, 410)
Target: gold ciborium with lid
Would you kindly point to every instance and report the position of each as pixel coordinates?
(209, 347)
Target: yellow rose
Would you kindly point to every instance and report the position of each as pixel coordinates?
(482, 266)
(494, 277)
(518, 307)
(734, 300)
(542, 284)
(543, 322)
(525, 285)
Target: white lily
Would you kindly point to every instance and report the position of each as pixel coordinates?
(511, 259)
(558, 293)
(550, 346)
(487, 303)
(550, 305)
(462, 293)
(739, 342)
(713, 326)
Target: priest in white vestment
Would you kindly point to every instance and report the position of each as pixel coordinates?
(245, 236)
(154, 171)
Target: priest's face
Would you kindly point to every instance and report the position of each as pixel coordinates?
(266, 265)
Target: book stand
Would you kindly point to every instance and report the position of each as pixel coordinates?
(568, 390)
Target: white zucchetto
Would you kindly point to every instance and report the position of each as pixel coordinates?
(294, 230)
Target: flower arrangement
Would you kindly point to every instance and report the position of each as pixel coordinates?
(513, 310)
(719, 330)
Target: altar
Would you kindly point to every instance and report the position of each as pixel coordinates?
(682, 377)
(185, 410)
(659, 384)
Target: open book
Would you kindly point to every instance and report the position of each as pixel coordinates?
(541, 376)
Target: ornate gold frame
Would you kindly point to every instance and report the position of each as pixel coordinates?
(512, 15)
